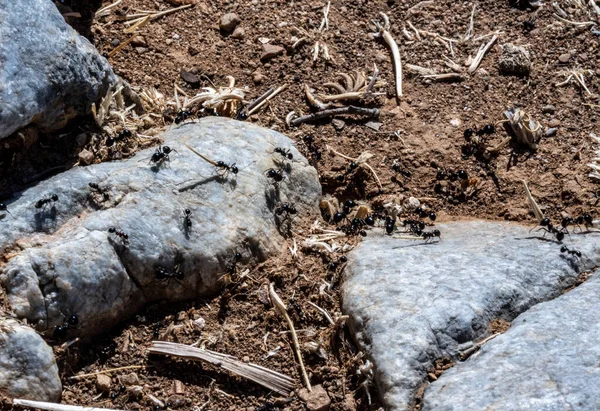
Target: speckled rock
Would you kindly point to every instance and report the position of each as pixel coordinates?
(548, 360)
(48, 73)
(412, 303)
(27, 366)
(514, 60)
(72, 265)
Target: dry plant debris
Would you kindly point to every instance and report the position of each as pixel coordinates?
(273, 380)
(383, 31)
(223, 101)
(595, 164)
(526, 130)
(51, 406)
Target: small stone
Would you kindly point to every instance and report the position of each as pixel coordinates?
(564, 58)
(115, 42)
(317, 399)
(130, 379)
(176, 36)
(554, 123)
(246, 359)
(548, 109)
(238, 33)
(380, 57)
(551, 132)
(270, 51)
(199, 323)
(258, 77)
(141, 50)
(514, 60)
(455, 122)
(139, 41)
(412, 203)
(168, 42)
(229, 22)
(86, 157)
(192, 51)
(177, 387)
(189, 77)
(338, 124)
(103, 382)
(135, 391)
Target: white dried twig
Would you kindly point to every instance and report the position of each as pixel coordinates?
(282, 309)
(51, 406)
(537, 211)
(383, 31)
(469, 32)
(595, 164)
(480, 54)
(322, 311)
(273, 380)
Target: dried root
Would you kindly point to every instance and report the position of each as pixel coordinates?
(383, 31)
(595, 164)
(224, 101)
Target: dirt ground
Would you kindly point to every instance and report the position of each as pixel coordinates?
(412, 140)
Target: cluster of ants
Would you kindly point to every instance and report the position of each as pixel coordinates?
(475, 140)
(559, 231)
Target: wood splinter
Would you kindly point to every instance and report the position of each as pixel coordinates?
(383, 31)
(369, 112)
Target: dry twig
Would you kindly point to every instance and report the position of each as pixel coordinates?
(273, 380)
(537, 211)
(369, 112)
(383, 31)
(52, 406)
(480, 54)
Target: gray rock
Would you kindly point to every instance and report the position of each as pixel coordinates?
(71, 264)
(48, 73)
(229, 22)
(514, 60)
(411, 304)
(547, 360)
(27, 366)
(548, 109)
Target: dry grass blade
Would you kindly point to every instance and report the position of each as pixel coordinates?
(534, 206)
(480, 54)
(526, 130)
(270, 379)
(51, 406)
(282, 309)
(383, 31)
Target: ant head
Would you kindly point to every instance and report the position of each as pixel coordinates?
(2, 207)
(545, 222)
(436, 233)
(166, 149)
(587, 218)
(563, 249)
(432, 216)
(187, 211)
(233, 169)
(73, 320)
(560, 236)
(112, 230)
(237, 257)
(54, 197)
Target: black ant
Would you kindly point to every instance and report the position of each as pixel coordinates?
(187, 218)
(4, 208)
(60, 331)
(276, 175)
(585, 219)
(96, 187)
(232, 266)
(528, 25)
(415, 227)
(390, 225)
(454, 176)
(430, 235)
(125, 133)
(182, 115)
(285, 153)
(286, 208)
(163, 274)
(547, 226)
(227, 167)
(124, 237)
(487, 129)
(41, 203)
(354, 228)
(398, 169)
(348, 204)
(338, 217)
(565, 249)
(109, 141)
(156, 331)
(161, 154)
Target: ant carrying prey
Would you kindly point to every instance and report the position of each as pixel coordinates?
(221, 165)
(99, 190)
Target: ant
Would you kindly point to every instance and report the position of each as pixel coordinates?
(156, 330)
(60, 331)
(286, 208)
(565, 249)
(124, 237)
(4, 208)
(41, 203)
(547, 226)
(390, 225)
(430, 235)
(398, 169)
(585, 219)
(424, 213)
(232, 266)
(487, 129)
(276, 175)
(125, 133)
(187, 218)
(414, 226)
(227, 167)
(348, 204)
(443, 174)
(161, 154)
(285, 153)
(163, 274)
(96, 187)
(182, 115)
(528, 25)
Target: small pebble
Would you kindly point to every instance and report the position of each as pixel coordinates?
(270, 51)
(551, 132)
(258, 77)
(338, 124)
(103, 382)
(229, 22)
(549, 109)
(86, 157)
(238, 33)
(564, 58)
(553, 123)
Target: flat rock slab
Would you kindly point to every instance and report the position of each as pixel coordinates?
(549, 359)
(48, 72)
(63, 261)
(412, 303)
(27, 366)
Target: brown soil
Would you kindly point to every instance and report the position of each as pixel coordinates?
(426, 140)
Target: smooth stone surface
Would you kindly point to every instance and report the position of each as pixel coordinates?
(48, 73)
(549, 359)
(411, 303)
(63, 261)
(27, 366)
